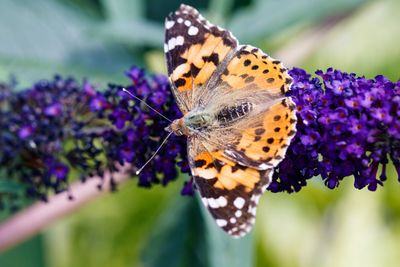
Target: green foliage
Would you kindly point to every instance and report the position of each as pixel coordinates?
(186, 235)
(265, 18)
(136, 227)
(178, 238)
(366, 43)
(29, 254)
(41, 38)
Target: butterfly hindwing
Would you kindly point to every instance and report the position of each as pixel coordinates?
(261, 141)
(229, 191)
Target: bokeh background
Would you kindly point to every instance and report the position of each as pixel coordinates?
(99, 39)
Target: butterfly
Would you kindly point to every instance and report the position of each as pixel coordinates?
(236, 117)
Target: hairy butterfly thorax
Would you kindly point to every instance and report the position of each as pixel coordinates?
(202, 121)
(190, 124)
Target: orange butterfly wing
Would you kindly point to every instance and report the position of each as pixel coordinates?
(193, 49)
(243, 90)
(229, 190)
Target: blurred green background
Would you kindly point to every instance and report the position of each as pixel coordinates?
(99, 39)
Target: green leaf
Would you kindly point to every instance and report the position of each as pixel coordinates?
(267, 17)
(350, 47)
(187, 235)
(123, 9)
(45, 37)
(219, 9)
(179, 237)
(10, 186)
(27, 254)
(132, 32)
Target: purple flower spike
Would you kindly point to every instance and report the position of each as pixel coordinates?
(120, 117)
(353, 129)
(187, 189)
(136, 74)
(347, 126)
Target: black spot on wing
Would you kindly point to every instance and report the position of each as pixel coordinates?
(249, 79)
(199, 163)
(214, 58)
(194, 70)
(180, 82)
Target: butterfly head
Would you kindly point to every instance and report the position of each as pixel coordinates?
(178, 127)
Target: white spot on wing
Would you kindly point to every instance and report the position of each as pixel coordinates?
(253, 210)
(171, 43)
(179, 40)
(239, 202)
(193, 30)
(188, 23)
(238, 213)
(232, 220)
(206, 173)
(169, 24)
(221, 222)
(180, 20)
(222, 201)
(213, 203)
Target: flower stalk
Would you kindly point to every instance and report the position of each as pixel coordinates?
(32, 220)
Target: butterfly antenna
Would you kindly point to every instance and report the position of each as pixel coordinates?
(147, 105)
(154, 154)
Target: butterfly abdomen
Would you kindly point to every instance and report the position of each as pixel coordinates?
(230, 114)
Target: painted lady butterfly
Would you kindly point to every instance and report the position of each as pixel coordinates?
(236, 116)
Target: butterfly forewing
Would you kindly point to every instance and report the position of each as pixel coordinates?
(193, 48)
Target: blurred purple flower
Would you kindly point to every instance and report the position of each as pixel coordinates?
(53, 110)
(25, 131)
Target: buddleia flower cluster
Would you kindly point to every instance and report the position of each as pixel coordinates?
(61, 130)
(347, 126)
